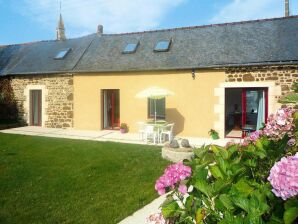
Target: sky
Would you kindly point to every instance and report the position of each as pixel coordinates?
(33, 20)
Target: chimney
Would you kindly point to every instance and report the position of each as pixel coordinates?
(99, 30)
(287, 8)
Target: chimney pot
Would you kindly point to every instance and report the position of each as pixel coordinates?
(287, 8)
(99, 30)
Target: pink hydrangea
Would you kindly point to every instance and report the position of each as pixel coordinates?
(280, 124)
(173, 174)
(156, 218)
(284, 177)
(255, 135)
(292, 142)
(182, 189)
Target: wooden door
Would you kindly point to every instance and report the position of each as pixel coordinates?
(35, 108)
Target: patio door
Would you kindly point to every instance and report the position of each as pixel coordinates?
(254, 109)
(246, 110)
(35, 108)
(111, 108)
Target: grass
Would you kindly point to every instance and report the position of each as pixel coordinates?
(48, 180)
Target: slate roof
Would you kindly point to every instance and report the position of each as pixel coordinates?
(260, 42)
(38, 57)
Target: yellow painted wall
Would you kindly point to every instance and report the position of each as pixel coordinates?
(191, 108)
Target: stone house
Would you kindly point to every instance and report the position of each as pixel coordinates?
(226, 77)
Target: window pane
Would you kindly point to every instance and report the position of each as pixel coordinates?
(130, 48)
(160, 108)
(162, 45)
(62, 53)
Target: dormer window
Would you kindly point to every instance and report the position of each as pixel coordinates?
(163, 45)
(62, 53)
(130, 48)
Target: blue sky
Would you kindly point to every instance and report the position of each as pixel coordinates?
(33, 20)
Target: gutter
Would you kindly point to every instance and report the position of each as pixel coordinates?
(218, 66)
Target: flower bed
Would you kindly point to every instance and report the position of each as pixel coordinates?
(253, 182)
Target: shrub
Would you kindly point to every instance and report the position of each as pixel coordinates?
(254, 182)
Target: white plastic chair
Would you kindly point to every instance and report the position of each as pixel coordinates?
(166, 131)
(141, 126)
(150, 133)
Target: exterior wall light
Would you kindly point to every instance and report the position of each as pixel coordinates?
(193, 74)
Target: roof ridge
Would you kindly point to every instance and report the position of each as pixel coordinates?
(43, 41)
(204, 26)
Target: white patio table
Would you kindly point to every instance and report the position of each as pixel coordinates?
(155, 131)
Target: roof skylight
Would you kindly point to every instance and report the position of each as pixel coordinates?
(130, 48)
(163, 45)
(62, 53)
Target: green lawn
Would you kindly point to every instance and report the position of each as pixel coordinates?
(49, 180)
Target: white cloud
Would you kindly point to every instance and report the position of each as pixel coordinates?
(83, 16)
(238, 10)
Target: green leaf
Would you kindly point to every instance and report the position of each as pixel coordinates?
(221, 185)
(243, 187)
(291, 203)
(215, 171)
(200, 152)
(290, 98)
(229, 218)
(220, 151)
(232, 149)
(189, 202)
(203, 187)
(168, 200)
(200, 214)
(170, 209)
(223, 164)
(251, 163)
(226, 201)
(290, 215)
(207, 158)
(291, 211)
(242, 202)
(257, 206)
(200, 173)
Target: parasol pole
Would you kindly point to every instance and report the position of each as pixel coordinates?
(155, 111)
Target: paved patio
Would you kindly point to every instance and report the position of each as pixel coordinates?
(104, 135)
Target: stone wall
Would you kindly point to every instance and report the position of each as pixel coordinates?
(57, 102)
(283, 76)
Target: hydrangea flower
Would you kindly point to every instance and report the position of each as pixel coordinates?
(255, 135)
(173, 174)
(278, 125)
(182, 189)
(284, 177)
(291, 142)
(156, 218)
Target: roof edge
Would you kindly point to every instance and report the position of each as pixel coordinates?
(163, 30)
(205, 26)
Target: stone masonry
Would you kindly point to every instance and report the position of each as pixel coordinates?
(58, 98)
(283, 76)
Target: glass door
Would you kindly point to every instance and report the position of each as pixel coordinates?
(254, 109)
(35, 107)
(111, 108)
(246, 111)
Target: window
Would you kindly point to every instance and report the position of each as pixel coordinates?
(163, 45)
(130, 48)
(62, 53)
(160, 108)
